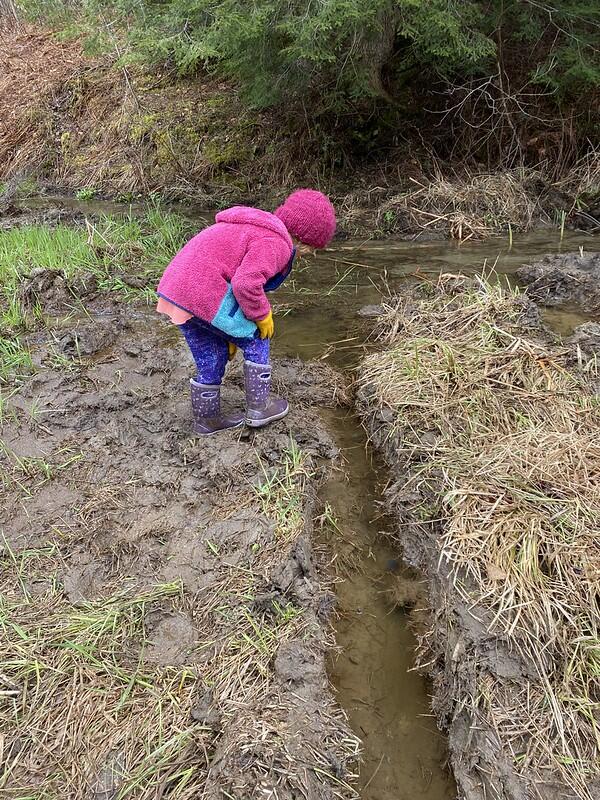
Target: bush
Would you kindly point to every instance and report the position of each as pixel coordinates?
(497, 69)
(348, 49)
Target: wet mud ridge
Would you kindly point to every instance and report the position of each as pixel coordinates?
(164, 623)
(567, 279)
(490, 428)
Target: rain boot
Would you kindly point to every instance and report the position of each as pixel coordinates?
(261, 406)
(206, 405)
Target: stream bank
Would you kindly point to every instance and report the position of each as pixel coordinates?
(490, 426)
(87, 126)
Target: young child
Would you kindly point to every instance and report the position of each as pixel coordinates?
(214, 290)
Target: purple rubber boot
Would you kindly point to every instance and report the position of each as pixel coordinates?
(206, 405)
(261, 406)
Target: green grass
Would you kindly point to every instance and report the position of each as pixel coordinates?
(110, 249)
(281, 492)
(14, 358)
(87, 193)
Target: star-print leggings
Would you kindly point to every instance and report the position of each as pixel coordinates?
(209, 349)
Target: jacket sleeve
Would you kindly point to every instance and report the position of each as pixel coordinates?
(264, 258)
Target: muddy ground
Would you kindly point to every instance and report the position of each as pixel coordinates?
(168, 626)
(568, 279)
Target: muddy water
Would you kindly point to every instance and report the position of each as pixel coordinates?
(318, 309)
(387, 703)
(404, 755)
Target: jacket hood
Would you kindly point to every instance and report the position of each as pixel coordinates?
(245, 215)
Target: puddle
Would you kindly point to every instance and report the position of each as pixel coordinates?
(565, 319)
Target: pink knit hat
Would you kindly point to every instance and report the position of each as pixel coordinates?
(309, 216)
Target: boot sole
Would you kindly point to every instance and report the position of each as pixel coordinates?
(260, 423)
(221, 430)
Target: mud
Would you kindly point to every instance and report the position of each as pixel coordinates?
(133, 500)
(16, 215)
(100, 466)
(570, 279)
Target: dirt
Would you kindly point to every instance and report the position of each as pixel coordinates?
(458, 649)
(101, 466)
(568, 279)
(16, 217)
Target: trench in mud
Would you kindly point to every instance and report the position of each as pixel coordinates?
(387, 702)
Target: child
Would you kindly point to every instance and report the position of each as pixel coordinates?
(214, 290)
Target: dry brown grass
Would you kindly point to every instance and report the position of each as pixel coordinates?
(470, 206)
(84, 122)
(35, 70)
(583, 181)
(84, 710)
(510, 467)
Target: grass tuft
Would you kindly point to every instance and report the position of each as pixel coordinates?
(123, 255)
(466, 207)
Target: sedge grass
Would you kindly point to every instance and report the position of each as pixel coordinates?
(110, 250)
(502, 440)
(470, 206)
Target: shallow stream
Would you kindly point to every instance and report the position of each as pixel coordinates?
(388, 704)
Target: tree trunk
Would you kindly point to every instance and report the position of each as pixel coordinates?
(377, 46)
(9, 18)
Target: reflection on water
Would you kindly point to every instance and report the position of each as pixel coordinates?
(319, 305)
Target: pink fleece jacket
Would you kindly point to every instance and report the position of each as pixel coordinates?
(244, 249)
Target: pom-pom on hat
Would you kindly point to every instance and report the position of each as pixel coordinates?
(309, 216)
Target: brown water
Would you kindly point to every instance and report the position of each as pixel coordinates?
(387, 702)
(317, 307)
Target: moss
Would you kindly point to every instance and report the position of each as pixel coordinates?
(65, 143)
(234, 181)
(142, 126)
(218, 102)
(227, 151)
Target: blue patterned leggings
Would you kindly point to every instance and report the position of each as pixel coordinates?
(209, 349)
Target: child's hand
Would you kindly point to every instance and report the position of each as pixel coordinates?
(266, 326)
(232, 350)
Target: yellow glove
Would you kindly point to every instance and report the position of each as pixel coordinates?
(266, 326)
(232, 350)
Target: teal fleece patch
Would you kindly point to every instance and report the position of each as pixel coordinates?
(231, 319)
